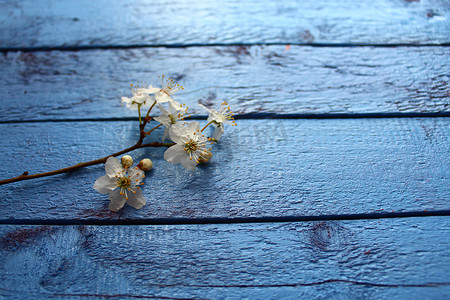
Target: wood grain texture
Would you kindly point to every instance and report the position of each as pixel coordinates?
(348, 259)
(260, 168)
(89, 84)
(104, 23)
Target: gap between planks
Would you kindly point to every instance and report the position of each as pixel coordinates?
(242, 220)
(243, 286)
(182, 46)
(260, 116)
(298, 284)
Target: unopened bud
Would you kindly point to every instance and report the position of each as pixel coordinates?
(127, 161)
(145, 164)
(205, 157)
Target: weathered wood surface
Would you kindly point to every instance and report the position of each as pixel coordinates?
(364, 259)
(110, 23)
(260, 168)
(272, 79)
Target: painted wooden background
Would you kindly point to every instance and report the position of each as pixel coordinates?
(334, 185)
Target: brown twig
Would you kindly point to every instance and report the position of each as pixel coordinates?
(138, 145)
(151, 130)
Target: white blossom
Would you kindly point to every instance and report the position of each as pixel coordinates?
(163, 94)
(122, 185)
(140, 97)
(218, 118)
(190, 145)
(170, 118)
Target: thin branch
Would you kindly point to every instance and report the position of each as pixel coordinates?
(206, 126)
(156, 144)
(150, 131)
(25, 175)
(146, 119)
(139, 113)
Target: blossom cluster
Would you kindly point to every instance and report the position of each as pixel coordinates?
(189, 145)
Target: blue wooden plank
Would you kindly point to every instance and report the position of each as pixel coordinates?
(301, 80)
(28, 23)
(259, 168)
(376, 259)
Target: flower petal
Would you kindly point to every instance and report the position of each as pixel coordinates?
(189, 164)
(149, 90)
(163, 110)
(175, 154)
(175, 105)
(193, 126)
(117, 200)
(162, 97)
(105, 184)
(218, 132)
(140, 98)
(204, 107)
(163, 119)
(129, 103)
(126, 100)
(148, 102)
(136, 200)
(166, 134)
(178, 134)
(113, 166)
(216, 117)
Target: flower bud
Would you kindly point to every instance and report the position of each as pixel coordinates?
(145, 164)
(127, 161)
(206, 156)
